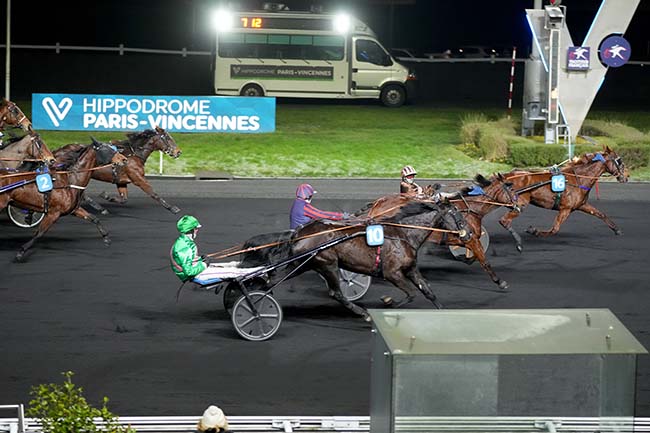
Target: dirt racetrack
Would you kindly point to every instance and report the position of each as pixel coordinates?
(109, 314)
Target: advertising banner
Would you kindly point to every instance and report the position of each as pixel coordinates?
(73, 112)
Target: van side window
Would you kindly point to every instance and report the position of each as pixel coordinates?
(370, 52)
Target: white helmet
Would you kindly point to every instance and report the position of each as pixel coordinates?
(408, 171)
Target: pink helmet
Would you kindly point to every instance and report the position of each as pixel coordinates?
(304, 191)
(408, 170)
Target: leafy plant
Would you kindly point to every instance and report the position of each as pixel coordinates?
(62, 408)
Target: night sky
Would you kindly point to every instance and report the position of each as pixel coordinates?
(426, 26)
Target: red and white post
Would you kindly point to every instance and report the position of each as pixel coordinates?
(512, 79)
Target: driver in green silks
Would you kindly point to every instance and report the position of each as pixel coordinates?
(184, 258)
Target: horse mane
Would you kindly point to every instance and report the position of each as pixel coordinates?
(138, 139)
(69, 154)
(479, 180)
(412, 208)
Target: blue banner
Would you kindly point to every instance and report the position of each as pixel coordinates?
(73, 112)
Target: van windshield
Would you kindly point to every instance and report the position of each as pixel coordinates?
(371, 52)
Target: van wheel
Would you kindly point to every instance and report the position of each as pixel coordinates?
(393, 96)
(252, 90)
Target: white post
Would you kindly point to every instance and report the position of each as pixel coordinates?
(8, 53)
(160, 163)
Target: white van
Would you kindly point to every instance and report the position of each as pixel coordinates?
(305, 55)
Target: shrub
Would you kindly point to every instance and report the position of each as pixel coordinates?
(634, 155)
(469, 129)
(617, 130)
(63, 409)
(492, 143)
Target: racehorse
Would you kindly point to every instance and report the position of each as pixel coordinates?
(579, 178)
(29, 147)
(69, 184)
(474, 202)
(395, 260)
(137, 148)
(12, 116)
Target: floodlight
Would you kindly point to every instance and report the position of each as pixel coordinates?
(341, 23)
(222, 20)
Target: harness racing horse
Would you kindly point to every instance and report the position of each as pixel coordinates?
(12, 116)
(27, 148)
(579, 178)
(395, 260)
(136, 148)
(474, 202)
(68, 185)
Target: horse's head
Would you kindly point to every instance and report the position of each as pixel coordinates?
(12, 116)
(454, 220)
(506, 193)
(107, 154)
(39, 150)
(165, 143)
(613, 164)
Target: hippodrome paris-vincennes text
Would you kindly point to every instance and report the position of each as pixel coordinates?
(121, 113)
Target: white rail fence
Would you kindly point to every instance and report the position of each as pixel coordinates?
(351, 424)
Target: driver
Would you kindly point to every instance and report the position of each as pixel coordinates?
(407, 185)
(184, 258)
(303, 211)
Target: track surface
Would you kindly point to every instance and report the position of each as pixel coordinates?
(109, 313)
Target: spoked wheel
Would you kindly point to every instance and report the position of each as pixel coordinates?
(464, 254)
(23, 217)
(232, 292)
(353, 285)
(257, 324)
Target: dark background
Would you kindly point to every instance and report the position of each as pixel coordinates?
(424, 26)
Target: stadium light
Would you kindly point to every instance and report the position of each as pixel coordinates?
(341, 23)
(222, 20)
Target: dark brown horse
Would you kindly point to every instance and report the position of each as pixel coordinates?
(580, 177)
(30, 148)
(13, 117)
(136, 148)
(474, 202)
(69, 183)
(395, 260)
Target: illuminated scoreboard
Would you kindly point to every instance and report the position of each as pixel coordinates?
(293, 23)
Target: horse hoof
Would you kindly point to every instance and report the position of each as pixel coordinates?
(367, 318)
(437, 304)
(531, 230)
(520, 248)
(107, 242)
(104, 212)
(20, 258)
(618, 232)
(503, 285)
(387, 300)
(104, 195)
(174, 209)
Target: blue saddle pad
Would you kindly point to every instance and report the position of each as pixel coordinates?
(206, 281)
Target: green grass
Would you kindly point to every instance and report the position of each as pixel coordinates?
(331, 140)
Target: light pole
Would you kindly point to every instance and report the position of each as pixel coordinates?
(8, 53)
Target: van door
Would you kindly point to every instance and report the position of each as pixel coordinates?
(371, 67)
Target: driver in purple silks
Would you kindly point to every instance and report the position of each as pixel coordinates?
(302, 210)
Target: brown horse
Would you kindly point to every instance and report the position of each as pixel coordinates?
(136, 148)
(12, 116)
(64, 198)
(28, 148)
(580, 177)
(395, 260)
(474, 202)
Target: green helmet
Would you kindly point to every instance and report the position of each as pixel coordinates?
(187, 223)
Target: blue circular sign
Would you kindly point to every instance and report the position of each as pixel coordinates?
(615, 51)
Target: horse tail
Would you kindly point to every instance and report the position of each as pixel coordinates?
(267, 248)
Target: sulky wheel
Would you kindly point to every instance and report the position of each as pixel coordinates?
(463, 254)
(353, 285)
(23, 217)
(260, 323)
(230, 296)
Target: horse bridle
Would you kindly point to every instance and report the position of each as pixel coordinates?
(166, 139)
(13, 109)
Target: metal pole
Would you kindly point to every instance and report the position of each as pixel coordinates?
(8, 53)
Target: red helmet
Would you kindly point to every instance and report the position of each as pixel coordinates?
(304, 191)
(408, 170)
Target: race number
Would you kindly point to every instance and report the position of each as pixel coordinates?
(375, 235)
(558, 183)
(44, 182)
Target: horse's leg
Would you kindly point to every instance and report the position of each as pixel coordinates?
(562, 215)
(122, 194)
(402, 282)
(331, 275)
(139, 180)
(49, 219)
(84, 215)
(587, 208)
(416, 277)
(474, 245)
(506, 223)
(93, 204)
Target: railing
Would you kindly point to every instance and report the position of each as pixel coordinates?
(352, 424)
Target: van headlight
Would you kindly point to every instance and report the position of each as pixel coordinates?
(411, 75)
